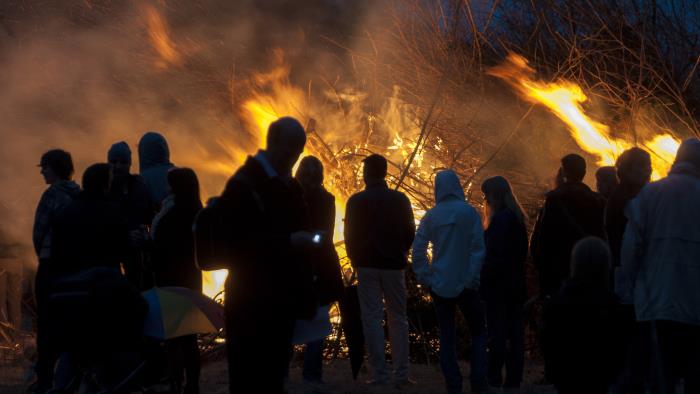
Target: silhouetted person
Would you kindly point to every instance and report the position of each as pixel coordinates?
(606, 181)
(503, 282)
(379, 230)
(454, 229)
(57, 170)
(131, 193)
(661, 260)
(269, 283)
(154, 164)
(634, 171)
(571, 212)
(584, 329)
(12, 254)
(325, 263)
(91, 231)
(173, 260)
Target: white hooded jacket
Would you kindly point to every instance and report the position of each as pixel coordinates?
(454, 229)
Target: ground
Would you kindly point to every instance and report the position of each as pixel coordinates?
(336, 374)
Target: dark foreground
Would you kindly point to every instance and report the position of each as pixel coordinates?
(214, 380)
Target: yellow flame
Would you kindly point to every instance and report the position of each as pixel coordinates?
(565, 99)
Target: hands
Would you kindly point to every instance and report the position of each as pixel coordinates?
(302, 240)
(140, 237)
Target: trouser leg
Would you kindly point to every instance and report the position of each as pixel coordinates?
(515, 356)
(496, 318)
(313, 361)
(394, 286)
(46, 354)
(445, 309)
(470, 304)
(192, 363)
(370, 295)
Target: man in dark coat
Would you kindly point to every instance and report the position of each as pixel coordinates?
(130, 191)
(91, 231)
(324, 261)
(379, 231)
(57, 170)
(270, 283)
(571, 212)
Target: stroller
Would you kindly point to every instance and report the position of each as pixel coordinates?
(97, 320)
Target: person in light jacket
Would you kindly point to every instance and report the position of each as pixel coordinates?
(661, 261)
(454, 229)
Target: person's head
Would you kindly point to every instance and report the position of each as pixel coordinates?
(590, 261)
(448, 186)
(119, 157)
(96, 179)
(374, 168)
(606, 180)
(499, 195)
(310, 173)
(56, 165)
(573, 168)
(285, 143)
(184, 186)
(153, 151)
(634, 167)
(689, 153)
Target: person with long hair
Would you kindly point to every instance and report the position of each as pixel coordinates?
(503, 282)
(174, 263)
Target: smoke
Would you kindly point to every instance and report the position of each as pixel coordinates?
(81, 75)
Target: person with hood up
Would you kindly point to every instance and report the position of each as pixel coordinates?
(452, 276)
(154, 164)
(57, 170)
(503, 282)
(583, 338)
(571, 212)
(661, 260)
(130, 192)
(174, 265)
(379, 230)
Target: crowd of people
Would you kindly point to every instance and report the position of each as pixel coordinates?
(617, 268)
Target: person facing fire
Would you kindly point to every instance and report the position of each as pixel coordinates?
(270, 284)
(606, 181)
(571, 212)
(173, 262)
(325, 264)
(503, 286)
(57, 170)
(154, 164)
(454, 229)
(130, 191)
(661, 260)
(379, 231)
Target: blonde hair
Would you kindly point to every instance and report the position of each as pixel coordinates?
(498, 188)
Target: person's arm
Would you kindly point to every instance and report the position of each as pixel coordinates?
(42, 222)
(350, 230)
(330, 218)
(477, 251)
(409, 223)
(420, 264)
(632, 250)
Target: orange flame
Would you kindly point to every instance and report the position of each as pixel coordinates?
(564, 99)
(159, 35)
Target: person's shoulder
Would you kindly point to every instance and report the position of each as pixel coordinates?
(399, 196)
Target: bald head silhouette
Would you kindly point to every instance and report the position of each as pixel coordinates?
(285, 143)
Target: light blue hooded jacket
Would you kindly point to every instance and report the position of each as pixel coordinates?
(454, 229)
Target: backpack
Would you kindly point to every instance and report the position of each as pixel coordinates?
(209, 231)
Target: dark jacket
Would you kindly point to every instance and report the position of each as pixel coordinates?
(265, 272)
(173, 259)
(615, 220)
(503, 274)
(132, 195)
(379, 228)
(583, 338)
(324, 261)
(571, 212)
(52, 202)
(90, 232)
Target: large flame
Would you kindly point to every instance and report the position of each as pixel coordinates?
(565, 99)
(159, 35)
